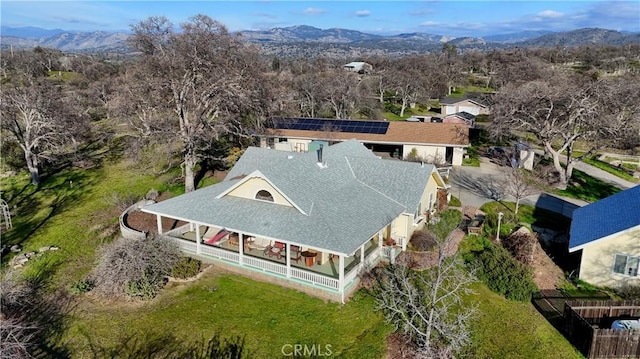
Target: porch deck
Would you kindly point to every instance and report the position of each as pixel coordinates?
(328, 268)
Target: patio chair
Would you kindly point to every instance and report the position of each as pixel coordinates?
(296, 253)
(278, 250)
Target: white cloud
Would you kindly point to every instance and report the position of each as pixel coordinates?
(429, 23)
(362, 13)
(550, 14)
(310, 11)
(264, 15)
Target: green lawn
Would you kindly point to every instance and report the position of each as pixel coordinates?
(611, 169)
(471, 162)
(587, 188)
(267, 315)
(510, 329)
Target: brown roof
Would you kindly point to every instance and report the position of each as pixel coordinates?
(399, 132)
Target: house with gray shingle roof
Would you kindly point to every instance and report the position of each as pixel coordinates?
(470, 103)
(608, 234)
(313, 220)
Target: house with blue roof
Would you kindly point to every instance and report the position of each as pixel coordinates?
(313, 221)
(608, 234)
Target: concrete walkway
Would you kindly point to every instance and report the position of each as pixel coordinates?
(604, 176)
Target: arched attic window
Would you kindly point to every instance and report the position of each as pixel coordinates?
(264, 196)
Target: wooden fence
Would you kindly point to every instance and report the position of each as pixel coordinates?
(587, 325)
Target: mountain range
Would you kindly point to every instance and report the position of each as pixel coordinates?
(305, 40)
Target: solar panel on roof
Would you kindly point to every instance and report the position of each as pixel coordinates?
(315, 124)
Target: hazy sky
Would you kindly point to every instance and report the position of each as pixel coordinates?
(453, 18)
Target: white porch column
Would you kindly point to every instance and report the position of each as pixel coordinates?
(406, 238)
(380, 239)
(159, 222)
(241, 248)
(362, 255)
(341, 278)
(190, 226)
(198, 239)
(288, 258)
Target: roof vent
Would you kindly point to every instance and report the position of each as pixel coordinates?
(319, 153)
(289, 157)
(321, 162)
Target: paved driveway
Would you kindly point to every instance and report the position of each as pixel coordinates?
(475, 186)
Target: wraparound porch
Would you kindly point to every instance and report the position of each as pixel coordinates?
(336, 273)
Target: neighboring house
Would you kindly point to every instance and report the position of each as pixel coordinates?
(608, 233)
(311, 221)
(464, 118)
(359, 67)
(433, 142)
(473, 105)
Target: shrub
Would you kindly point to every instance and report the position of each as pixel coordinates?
(186, 267)
(81, 286)
(146, 287)
(630, 292)
(422, 240)
(128, 261)
(505, 275)
(455, 202)
(521, 245)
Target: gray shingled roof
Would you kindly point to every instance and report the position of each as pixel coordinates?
(344, 204)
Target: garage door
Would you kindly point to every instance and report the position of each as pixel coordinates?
(474, 110)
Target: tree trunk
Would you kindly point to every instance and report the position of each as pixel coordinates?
(190, 161)
(404, 106)
(381, 98)
(517, 205)
(32, 164)
(558, 167)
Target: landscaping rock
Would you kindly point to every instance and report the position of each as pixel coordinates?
(16, 248)
(30, 254)
(54, 248)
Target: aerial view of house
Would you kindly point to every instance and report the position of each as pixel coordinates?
(608, 233)
(433, 142)
(316, 218)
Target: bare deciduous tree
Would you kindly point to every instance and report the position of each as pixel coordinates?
(560, 111)
(427, 306)
(37, 117)
(519, 183)
(205, 77)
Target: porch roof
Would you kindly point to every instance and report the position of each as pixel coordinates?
(342, 205)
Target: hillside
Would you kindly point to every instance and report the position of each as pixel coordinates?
(309, 41)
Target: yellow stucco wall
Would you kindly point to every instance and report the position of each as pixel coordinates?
(596, 265)
(428, 153)
(249, 189)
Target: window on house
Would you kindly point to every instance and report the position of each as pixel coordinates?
(417, 216)
(626, 265)
(264, 196)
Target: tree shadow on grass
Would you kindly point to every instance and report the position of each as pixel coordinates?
(64, 193)
(587, 188)
(43, 312)
(166, 345)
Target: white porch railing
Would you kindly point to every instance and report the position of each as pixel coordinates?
(220, 253)
(264, 265)
(349, 277)
(390, 253)
(314, 278)
(373, 257)
(184, 244)
(268, 266)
